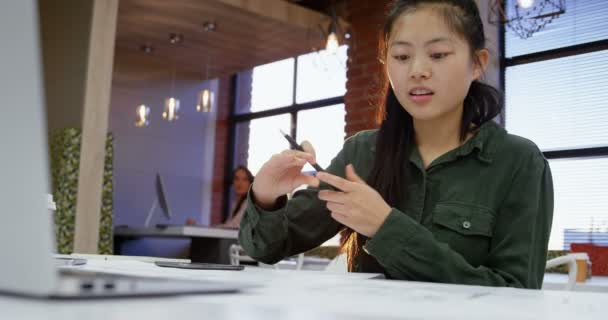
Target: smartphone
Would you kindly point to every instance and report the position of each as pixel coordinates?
(198, 265)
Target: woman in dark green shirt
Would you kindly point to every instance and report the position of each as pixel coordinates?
(440, 192)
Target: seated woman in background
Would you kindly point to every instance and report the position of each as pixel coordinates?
(242, 178)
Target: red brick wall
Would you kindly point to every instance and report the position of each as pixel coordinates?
(363, 83)
(221, 151)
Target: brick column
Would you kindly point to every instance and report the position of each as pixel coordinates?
(363, 83)
(221, 142)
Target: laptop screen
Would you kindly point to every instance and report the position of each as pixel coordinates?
(26, 238)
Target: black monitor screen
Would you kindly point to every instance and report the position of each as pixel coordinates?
(161, 195)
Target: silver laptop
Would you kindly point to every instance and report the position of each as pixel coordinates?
(26, 231)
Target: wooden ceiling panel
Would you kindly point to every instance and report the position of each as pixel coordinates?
(243, 38)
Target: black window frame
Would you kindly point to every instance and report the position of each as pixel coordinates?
(546, 55)
(234, 119)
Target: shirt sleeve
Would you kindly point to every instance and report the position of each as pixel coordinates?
(298, 225)
(518, 248)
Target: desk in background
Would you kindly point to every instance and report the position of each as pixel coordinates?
(206, 244)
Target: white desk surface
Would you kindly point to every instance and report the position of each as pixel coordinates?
(311, 295)
(178, 231)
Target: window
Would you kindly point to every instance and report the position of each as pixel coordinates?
(556, 94)
(321, 75)
(324, 129)
(266, 87)
(267, 102)
(581, 201)
(560, 103)
(584, 21)
(312, 108)
(263, 139)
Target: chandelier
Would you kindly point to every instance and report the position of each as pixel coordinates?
(526, 17)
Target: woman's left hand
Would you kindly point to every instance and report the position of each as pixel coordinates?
(357, 206)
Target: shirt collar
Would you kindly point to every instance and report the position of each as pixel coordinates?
(483, 141)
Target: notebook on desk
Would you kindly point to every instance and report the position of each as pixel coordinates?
(26, 233)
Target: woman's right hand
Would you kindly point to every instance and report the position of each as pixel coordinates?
(282, 174)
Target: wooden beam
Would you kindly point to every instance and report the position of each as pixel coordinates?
(95, 124)
(283, 11)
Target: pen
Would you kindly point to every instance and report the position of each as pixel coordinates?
(298, 147)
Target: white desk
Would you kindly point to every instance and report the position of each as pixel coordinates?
(315, 295)
(206, 244)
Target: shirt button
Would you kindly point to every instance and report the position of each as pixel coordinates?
(466, 225)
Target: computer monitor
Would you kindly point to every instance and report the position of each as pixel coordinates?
(161, 196)
(160, 200)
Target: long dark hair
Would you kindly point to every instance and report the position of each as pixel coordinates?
(242, 199)
(395, 139)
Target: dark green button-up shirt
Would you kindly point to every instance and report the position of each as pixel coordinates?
(479, 214)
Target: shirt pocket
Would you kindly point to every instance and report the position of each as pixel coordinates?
(466, 228)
